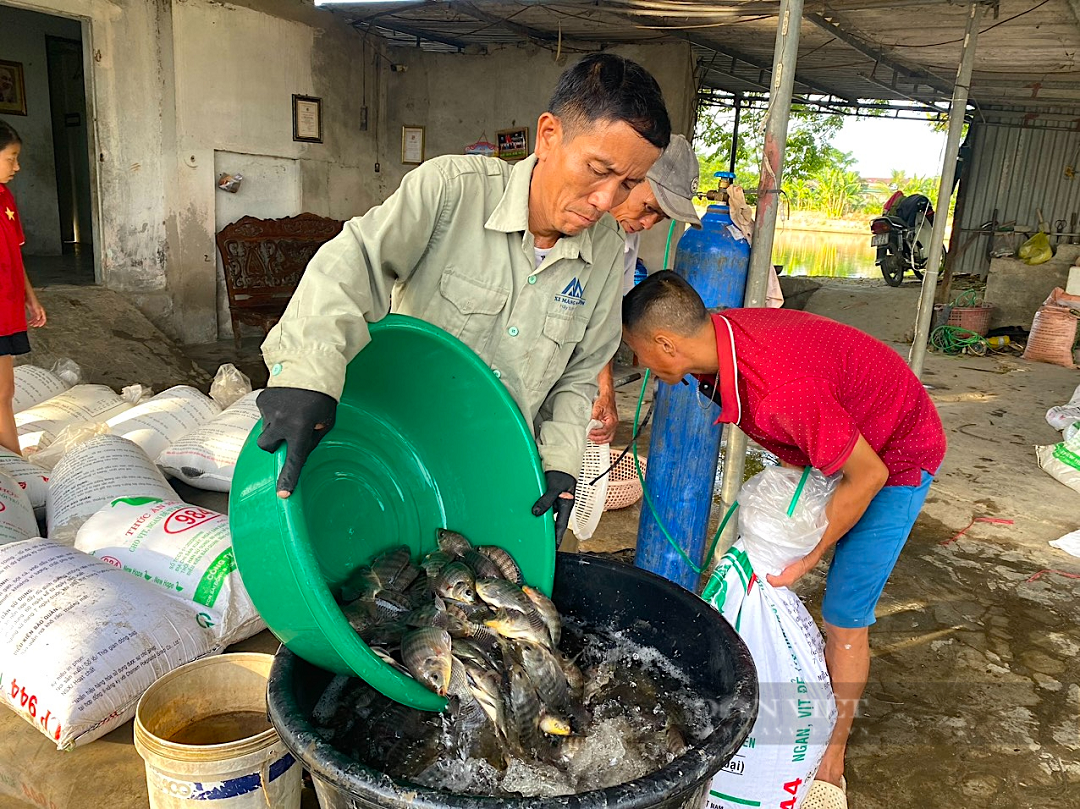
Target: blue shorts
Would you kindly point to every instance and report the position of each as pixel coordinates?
(866, 555)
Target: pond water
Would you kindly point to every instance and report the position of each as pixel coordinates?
(822, 253)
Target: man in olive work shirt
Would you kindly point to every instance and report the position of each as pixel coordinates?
(518, 261)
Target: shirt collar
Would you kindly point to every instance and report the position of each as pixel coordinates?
(728, 374)
(511, 215)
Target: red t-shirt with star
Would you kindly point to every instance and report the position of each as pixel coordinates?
(12, 277)
(805, 387)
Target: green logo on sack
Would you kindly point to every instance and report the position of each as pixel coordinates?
(1067, 456)
(214, 578)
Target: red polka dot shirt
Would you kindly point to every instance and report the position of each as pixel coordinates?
(805, 387)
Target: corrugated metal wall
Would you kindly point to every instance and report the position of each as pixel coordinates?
(1018, 170)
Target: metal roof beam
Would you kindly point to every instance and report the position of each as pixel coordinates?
(408, 30)
(834, 27)
(924, 103)
(801, 80)
(535, 34)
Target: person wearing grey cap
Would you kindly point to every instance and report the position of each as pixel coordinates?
(668, 194)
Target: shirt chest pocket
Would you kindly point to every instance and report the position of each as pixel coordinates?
(548, 358)
(467, 308)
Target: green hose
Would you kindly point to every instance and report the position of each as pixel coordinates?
(652, 506)
(954, 340)
(667, 247)
(656, 514)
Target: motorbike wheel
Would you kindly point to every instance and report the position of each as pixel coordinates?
(892, 268)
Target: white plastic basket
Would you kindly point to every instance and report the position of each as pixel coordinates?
(590, 499)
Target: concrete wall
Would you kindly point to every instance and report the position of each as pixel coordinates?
(180, 90)
(459, 97)
(1017, 290)
(22, 39)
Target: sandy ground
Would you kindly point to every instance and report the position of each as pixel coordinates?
(973, 697)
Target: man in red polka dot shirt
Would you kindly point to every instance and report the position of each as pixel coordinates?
(815, 393)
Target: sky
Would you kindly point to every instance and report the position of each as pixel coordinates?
(883, 144)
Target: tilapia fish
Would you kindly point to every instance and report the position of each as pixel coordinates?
(426, 654)
(464, 624)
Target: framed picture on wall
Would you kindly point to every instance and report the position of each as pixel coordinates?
(12, 88)
(307, 119)
(412, 145)
(513, 144)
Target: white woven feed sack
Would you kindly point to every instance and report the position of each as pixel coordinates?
(797, 709)
(32, 479)
(206, 456)
(35, 385)
(17, 520)
(184, 549)
(80, 640)
(39, 425)
(94, 474)
(159, 421)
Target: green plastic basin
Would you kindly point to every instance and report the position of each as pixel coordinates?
(426, 437)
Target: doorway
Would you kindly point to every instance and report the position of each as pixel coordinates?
(67, 99)
(54, 187)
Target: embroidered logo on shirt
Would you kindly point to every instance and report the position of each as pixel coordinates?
(11, 216)
(573, 294)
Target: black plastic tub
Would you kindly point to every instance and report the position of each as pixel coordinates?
(646, 608)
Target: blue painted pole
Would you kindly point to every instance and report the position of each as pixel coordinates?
(685, 444)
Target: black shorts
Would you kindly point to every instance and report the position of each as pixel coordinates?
(12, 345)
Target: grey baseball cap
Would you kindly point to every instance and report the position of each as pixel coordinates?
(674, 181)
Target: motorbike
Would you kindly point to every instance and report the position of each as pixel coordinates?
(902, 235)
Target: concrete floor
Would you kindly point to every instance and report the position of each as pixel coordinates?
(974, 694)
(74, 266)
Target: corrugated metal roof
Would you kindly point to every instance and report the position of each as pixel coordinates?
(852, 49)
(1019, 167)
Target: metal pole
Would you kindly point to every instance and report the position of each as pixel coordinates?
(917, 355)
(785, 54)
(735, 133)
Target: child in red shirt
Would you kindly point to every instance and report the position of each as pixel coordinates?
(19, 305)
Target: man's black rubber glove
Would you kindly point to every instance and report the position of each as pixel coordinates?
(298, 417)
(558, 483)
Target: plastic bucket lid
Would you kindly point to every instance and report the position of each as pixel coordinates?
(426, 437)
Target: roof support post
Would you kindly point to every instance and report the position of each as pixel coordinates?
(917, 355)
(785, 55)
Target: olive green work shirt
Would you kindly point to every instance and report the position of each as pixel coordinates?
(453, 246)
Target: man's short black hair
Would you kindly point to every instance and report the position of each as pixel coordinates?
(8, 135)
(606, 87)
(664, 300)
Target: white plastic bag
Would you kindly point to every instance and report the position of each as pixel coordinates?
(39, 425)
(206, 457)
(774, 539)
(35, 385)
(17, 520)
(1061, 416)
(157, 422)
(31, 478)
(68, 370)
(81, 640)
(66, 440)
(589, 497)
(94, 474)
(797, 710)
(182, 548)
(229, 385)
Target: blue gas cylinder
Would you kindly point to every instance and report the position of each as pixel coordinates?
(685, 444)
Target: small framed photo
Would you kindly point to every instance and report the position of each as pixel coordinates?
(412, 145)
(307, 119)
(513, 144)
(12, 88)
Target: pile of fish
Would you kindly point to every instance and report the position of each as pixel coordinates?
(524, 718)
(464, 624)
